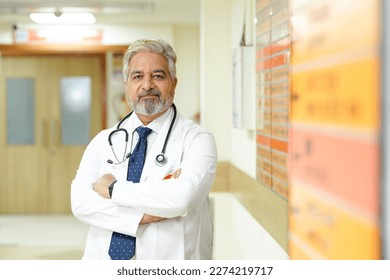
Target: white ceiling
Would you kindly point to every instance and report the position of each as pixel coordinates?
(106, 11)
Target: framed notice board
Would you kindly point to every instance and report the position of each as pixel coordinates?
(334, 194)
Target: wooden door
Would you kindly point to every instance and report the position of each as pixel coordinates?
(35, 177)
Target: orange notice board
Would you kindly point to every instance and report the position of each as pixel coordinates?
(340, 166)
(343, 94)
(323, 228)
(327, 27)
(334, 194)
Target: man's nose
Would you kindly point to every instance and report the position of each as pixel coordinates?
(148, 82)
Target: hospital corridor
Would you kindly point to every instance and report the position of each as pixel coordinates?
(295, 93)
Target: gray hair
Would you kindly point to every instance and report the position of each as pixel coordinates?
(152, 46)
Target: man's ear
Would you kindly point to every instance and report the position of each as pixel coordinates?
(174, 80)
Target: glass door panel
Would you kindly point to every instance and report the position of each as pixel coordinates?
(75, 110)
(20, 111)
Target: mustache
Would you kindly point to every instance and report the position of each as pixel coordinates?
(151, 92)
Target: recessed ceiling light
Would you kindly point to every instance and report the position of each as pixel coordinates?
(63, 18)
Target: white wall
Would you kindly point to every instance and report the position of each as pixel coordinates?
(237, 234)
(243, 143)
(123, 35)
(215, 70)
(221, 31)
(5, 34)
(186, 42)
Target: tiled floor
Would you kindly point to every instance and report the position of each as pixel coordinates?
(51, 237)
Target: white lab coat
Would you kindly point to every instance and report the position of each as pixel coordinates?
(187, 231)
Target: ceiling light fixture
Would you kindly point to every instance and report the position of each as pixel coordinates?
(63, 18)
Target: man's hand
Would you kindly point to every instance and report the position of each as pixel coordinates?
(147, 219)
(174, 175)
(101, 185)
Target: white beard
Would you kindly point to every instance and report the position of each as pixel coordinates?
(151, 106)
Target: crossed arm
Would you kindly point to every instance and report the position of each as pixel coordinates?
(101, 187)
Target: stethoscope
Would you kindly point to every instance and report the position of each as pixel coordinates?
(161, 158)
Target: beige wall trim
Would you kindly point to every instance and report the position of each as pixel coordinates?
(59, 49)
(221, 182)
(266, 206)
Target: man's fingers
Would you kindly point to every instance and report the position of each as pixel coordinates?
(177, 173)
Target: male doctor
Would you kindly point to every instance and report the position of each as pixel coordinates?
(163, 212)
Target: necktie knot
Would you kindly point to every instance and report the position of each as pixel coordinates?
(143, 132)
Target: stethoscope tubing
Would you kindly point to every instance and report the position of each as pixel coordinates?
(161, 158)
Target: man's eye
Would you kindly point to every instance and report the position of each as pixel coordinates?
(136, 77)
(158, 77)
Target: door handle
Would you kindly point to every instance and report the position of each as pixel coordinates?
(54, 134)
(43, 133)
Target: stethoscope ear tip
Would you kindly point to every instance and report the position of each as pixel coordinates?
(110, 161)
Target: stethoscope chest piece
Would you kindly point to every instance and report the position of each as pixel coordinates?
(161, 160)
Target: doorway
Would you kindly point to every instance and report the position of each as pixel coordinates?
(50, 108)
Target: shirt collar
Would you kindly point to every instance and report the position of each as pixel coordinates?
(155, 125)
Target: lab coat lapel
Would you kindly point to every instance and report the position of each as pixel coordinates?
(150, 162)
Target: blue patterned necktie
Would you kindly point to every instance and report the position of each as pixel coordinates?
(122, 246)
